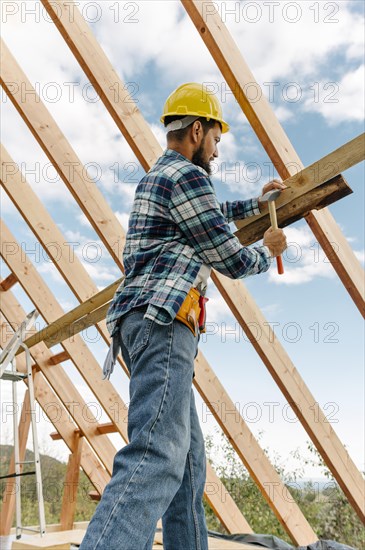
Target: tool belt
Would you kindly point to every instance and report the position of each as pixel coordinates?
(192, 311)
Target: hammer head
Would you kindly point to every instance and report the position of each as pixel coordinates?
(270, 195)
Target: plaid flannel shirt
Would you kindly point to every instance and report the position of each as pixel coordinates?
(177, 225)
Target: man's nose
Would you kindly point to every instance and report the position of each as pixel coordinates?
(215, 154)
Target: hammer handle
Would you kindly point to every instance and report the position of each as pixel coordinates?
(274, 225)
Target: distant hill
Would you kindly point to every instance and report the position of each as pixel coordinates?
(53, 477)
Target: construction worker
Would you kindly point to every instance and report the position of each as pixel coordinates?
(177, 232)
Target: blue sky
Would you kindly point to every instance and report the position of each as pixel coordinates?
(309, 57)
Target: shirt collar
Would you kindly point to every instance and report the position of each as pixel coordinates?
(178, 156)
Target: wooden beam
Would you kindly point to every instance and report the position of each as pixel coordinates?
(55, 436)
(276, 143)
(12, 485)
(112, 91)
(8, 282)
(292, 212)
(61, 540)
(294, 389)
(67, 331)
(94, 495)
(59, 358)
(216, 494)
(49, 401)
(307, 190)
(107, 428)
(71, 484)
(54, 144)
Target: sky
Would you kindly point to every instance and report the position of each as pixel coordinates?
(308, 60)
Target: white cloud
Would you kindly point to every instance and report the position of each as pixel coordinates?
(360, 255)
(343, 101)
(304, 260)
(49, 268)
(283, 114)
(123, 217)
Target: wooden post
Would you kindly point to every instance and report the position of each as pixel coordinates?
(8, 503)
(71, 484)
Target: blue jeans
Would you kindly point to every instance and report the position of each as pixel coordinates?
(161, 472)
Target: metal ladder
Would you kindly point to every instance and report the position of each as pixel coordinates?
(7, 357)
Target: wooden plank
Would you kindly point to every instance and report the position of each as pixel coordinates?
(272, 136)
(59, 358)
(294, 389)
(216, 494)
(49, 402)
(105, 80)
(11, 487)
(61, 540)
(8, 282)
(290, 213)
(106, 428)
(69, 498)
(67, 331)
(62, 156)
(342, 257)
(315, 178)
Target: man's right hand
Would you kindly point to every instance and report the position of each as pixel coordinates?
(275, 240)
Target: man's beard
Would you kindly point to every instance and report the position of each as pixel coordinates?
(198, 159)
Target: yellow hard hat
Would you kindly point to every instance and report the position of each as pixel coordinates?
(195, 100)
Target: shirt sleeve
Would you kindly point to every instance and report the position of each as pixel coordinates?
(195, 209)
(239, 210)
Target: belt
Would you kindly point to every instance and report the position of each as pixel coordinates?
(192, 311)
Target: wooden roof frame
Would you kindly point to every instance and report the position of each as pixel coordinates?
(96, 453)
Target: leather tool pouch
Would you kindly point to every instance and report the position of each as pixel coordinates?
(189, 312)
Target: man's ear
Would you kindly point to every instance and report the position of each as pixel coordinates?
(196, 131)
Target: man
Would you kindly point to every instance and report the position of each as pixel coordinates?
(177, 232)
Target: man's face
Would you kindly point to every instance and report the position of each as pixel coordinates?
(207, 150)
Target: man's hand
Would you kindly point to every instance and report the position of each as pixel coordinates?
(275, 240)
(274, 184)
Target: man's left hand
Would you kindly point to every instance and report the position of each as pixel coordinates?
(273, 184)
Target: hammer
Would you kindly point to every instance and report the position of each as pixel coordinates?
(271, 197)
